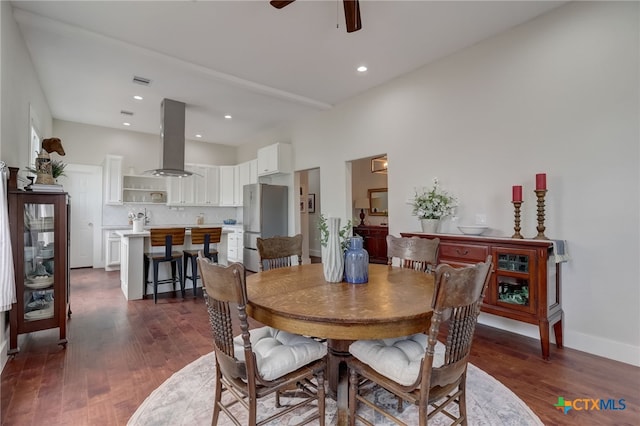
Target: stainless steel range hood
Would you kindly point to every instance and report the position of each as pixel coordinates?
(172, 115)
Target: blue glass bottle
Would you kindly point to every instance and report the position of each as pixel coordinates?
(356, 262)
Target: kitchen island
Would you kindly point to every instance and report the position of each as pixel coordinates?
(133, 245)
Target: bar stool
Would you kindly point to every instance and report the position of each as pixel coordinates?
(204, 236)
(167, 237)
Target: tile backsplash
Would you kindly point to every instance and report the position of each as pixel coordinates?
(164, 215)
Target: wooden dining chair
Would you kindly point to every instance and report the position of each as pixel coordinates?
(416, 253)
(167, 238)
(204, 237)
(418, 368)
(261, 361)
(279, 252)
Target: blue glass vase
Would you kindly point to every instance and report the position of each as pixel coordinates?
(356, 262)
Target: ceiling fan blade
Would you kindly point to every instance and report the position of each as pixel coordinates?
(279, 4)
(352, 15)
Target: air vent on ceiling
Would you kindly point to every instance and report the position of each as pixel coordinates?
(123, 112)
(141, 80)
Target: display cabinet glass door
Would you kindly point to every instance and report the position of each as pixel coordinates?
(513, 279)
(39, 261)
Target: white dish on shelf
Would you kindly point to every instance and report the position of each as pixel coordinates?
(38, 305)
(38, 282)
(40, 313)
(473, 229)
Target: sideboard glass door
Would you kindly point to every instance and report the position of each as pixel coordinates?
(513, 279)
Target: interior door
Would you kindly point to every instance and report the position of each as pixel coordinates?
(83, 183)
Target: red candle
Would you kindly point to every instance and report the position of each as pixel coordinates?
(517, 193)
(541, 181)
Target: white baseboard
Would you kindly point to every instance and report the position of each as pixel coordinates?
(594, 345)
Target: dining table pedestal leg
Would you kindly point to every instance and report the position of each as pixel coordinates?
(338, 376)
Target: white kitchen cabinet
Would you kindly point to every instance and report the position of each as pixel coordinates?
(200, 189)
(273, 159)
(206, 186)
(174, 191)
(199, 184)
(112, 179)
(180, 191)
(235, 245)
(212, 180)
(228, 177)
(247, 174)
(112, 251)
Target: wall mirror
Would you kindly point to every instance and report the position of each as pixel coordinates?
(378, 202)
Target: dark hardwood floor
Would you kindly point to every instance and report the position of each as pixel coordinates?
(120, 351)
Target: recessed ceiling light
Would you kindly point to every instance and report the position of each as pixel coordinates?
(198, 136)
(138, 97)
(126, 124)
(228, 117)
(362, 68)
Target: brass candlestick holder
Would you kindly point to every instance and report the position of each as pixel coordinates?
(516, 227)
(540, 193)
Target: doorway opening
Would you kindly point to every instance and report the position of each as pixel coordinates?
(369, 192)
(309, 203)
(370, 206)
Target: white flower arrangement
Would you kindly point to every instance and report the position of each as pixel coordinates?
(433, 204)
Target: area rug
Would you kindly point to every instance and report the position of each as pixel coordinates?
(186, 398)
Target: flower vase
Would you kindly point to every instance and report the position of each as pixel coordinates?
(332, 255)
(356, 262)
(430, 226)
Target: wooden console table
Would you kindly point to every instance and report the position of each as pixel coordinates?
(375, 241)
(525, 285)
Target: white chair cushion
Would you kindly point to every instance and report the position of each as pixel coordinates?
(278, 352)
(398, 358)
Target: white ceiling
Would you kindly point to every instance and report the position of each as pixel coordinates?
(262, 65)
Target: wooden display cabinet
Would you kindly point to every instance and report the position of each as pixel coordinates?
(375, 242)
(38, 224)
(525, 284)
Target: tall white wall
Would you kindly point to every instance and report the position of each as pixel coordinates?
(558, 94)
(20, 90)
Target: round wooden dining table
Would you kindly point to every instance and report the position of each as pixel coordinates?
(395, 302)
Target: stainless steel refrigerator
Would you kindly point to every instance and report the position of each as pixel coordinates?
(265, 215)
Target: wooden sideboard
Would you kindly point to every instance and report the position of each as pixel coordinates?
(525, 284)
(375, 241)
